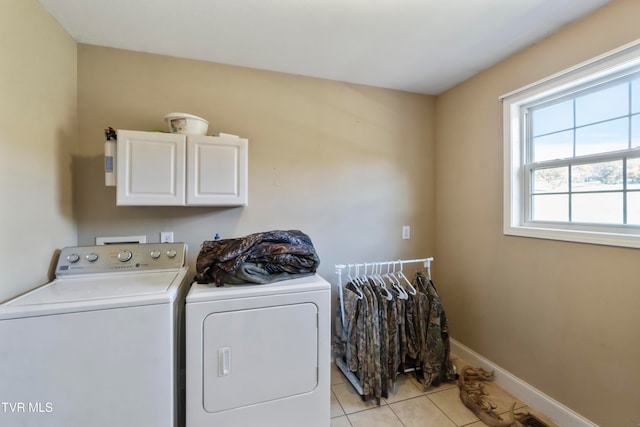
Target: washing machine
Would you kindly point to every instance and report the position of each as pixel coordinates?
(99, 345)
(259, 355)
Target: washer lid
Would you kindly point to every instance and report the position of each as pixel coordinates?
(96, 291)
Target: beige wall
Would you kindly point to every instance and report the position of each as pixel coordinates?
(563, 317)
(37, 135)
(347, 164)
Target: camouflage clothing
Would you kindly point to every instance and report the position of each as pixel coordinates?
(394, 340)
(384, 338)
(402, 330)
(346, 339)
(410, 319)
(381, 336)
(422, 319)
(257, 258)
(372, 357)
(436, 364)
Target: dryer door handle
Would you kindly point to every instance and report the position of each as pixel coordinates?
(224, 361)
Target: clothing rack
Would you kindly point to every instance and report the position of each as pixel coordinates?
(375, 267)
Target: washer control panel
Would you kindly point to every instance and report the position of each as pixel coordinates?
(120, 258)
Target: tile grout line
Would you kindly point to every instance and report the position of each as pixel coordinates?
(348, 420)
(394, 412)
(344, 413)
(441, 410)
(447, 415)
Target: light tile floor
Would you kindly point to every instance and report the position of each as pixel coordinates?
(408, 406)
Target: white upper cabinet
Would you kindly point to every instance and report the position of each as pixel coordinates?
(150, 168)
(216, 170)
(167, 169)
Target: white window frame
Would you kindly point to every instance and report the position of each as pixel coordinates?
(619, 62)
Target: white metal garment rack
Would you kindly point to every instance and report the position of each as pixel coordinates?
(375, 267)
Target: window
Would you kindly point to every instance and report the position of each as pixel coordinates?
(572, 153)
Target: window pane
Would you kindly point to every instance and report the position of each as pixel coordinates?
(633, 208)
(555, 146)
(635, 96)
(552, 180)
(633, 174)
(635, 131)
(552, 207)
(604, 208)
(603, 176)
(602, 105)
(603, 137)
(552, 119)
(572, 154)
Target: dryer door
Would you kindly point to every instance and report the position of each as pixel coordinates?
(259, 355)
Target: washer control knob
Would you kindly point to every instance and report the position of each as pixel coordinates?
(92, 257)
(171, 253)
(124, 255)
(155, 254)
(74, 257)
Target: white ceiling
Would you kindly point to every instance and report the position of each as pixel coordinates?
(424, 46)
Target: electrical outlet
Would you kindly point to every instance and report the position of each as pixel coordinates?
(406, 232)
(166, 237)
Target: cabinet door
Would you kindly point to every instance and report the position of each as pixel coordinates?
(151, 168)
(217, 170)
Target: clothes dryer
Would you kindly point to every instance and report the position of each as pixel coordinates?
(259, 355)
(99, 345)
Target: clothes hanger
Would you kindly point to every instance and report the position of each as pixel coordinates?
(361, 278)
(422, 281)
(400, 274)
(375, 276)
(354, 282)
(402, 292)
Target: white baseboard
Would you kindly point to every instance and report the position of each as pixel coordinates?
(533, 397)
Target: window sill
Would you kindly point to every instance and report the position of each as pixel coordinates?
(594, 237)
